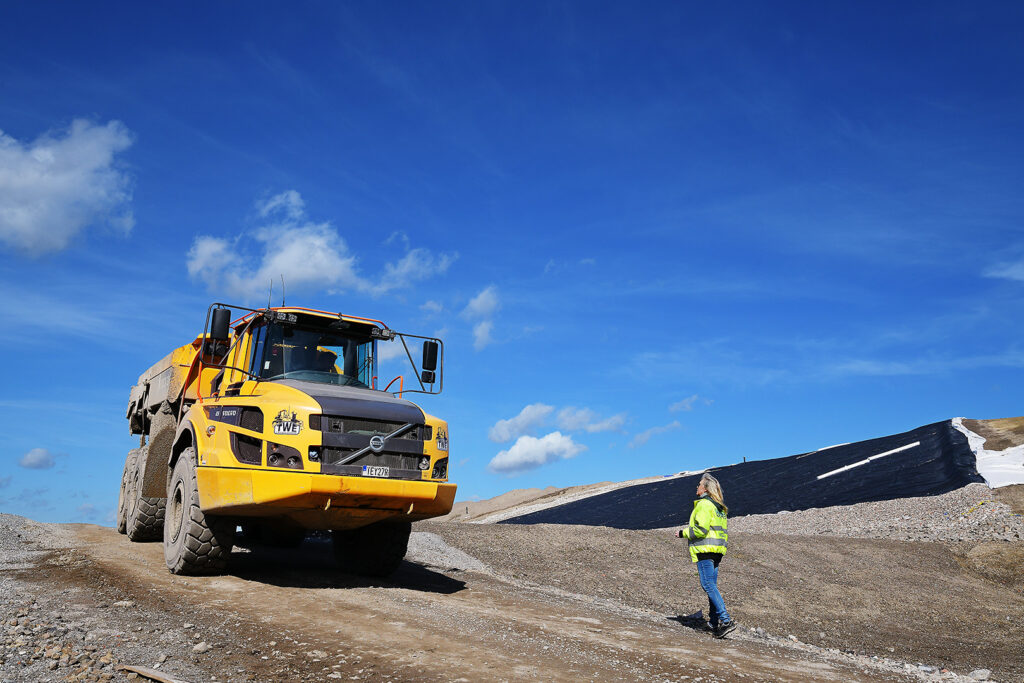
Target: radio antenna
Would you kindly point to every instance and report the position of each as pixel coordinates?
(270, 293)
(282, 290)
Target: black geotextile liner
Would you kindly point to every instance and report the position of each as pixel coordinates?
(942, 462)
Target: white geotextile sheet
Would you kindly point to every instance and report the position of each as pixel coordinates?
(997, 468)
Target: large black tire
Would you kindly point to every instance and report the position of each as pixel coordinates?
(194, 542)
(374, 550)
(144, 515)
(124, 493)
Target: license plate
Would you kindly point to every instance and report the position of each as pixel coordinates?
(375, 471)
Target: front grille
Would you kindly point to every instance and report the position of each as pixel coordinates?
(333, 456)
(400, 465)
(252, 418)
(337, 424)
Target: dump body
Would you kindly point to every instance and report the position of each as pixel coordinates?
(311, 448)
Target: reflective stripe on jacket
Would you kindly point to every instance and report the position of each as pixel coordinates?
(707, 530)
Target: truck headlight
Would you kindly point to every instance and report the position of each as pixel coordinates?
(440, 469)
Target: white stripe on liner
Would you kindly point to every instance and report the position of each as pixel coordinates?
(865, 462)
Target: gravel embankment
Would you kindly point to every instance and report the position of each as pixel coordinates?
(968, 514)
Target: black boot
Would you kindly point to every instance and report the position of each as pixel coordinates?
(725, 629)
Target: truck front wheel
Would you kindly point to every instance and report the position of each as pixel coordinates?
(194, 542)
(373, 550)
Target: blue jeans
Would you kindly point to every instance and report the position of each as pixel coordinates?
(708, 573)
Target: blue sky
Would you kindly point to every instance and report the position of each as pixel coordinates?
(653, 238)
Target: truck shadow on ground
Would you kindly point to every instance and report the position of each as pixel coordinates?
(312, 565)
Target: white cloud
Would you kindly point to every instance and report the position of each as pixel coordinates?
(398, 236)
(483, 305)
(573, 419)
(529, 417)
(289, 203)
(609, 424)
(417, 264)
(687, 404)
(1008, 271)
(389, 350)
(38, 459)
(308, 254)
(432, 307)
(482, 334)
(528, 453)
(645, 436)
(54, 187)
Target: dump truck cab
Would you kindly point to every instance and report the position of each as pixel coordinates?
(279, 427)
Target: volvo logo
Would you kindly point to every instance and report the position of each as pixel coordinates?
(376, 443)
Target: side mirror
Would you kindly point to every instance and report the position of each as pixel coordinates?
(429, 357)
(220, 324)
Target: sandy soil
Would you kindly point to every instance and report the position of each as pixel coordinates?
(554, 603)
(916, 601)
(294, 617)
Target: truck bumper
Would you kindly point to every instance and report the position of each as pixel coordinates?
(319, 501)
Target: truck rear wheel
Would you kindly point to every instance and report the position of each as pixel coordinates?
(144, 516)
(123, 493)
(194, 542)
(373, 550)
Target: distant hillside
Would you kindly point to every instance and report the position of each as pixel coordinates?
(930, 460)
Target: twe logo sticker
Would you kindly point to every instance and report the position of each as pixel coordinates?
(287, 423)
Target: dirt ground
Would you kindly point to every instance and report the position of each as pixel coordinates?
(560, 604)
(998, 434)
(919, 602)
(543, 602)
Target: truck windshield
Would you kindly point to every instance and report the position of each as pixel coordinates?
(282, 351)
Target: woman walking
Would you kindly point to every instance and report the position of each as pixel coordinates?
(707, 540)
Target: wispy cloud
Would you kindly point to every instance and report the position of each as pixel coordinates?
(645, 436)
(576, 419)
(529, 453)
(528, 418)
(482, 308)
(483, 305)
(1012, 270)
(61, 183)
(482, 334)
(933, 365)
(5, 482)
(432, 307)
(417, 264)
(687, 404)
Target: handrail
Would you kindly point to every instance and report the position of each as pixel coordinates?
(401, 384)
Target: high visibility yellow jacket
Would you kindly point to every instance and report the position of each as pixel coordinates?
(707, 530)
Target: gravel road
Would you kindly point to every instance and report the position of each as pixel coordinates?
(918, 589)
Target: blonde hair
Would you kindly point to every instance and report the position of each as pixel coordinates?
(714, 490)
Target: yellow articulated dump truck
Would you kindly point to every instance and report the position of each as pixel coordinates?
(273, 424)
